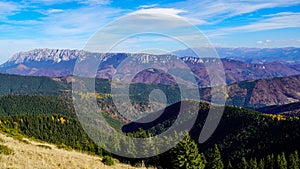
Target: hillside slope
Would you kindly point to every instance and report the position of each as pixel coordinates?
(37, 155)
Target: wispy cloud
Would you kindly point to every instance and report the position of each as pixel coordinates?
(8, 8)
(88, 2)
(277, 21)
(218, 10)
(173, 12)
(153, 22)
(94, 2)
(148, 6)
(81, 21)
(50, 11)
(62, 22)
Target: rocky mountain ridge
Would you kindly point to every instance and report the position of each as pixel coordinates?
(60, 62)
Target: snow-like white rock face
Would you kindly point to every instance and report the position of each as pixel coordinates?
(194, 60)
(54, 55)
(59, 55)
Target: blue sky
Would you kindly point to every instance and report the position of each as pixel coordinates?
(25, 25)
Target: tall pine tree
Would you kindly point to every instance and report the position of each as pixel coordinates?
(261, 164)
(243, 164)
(214, 159)
(229, 165)
(253, 164)
(186, 156)
(270, 162)
(281, 161)
(294, 161)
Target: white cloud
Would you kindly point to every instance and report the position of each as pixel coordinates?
(268, 41)
(279, 21)
(50, 11)
(154, 21)
(219, 10)
(8, 8)
(94, 2)
(148, 6)
(163, 13)
(88, 2)
(77, 22)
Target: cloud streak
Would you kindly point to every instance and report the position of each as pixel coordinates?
(148, 6)
(8, 8)
(218, 10)
(277, 21)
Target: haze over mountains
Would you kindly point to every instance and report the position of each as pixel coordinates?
(255, 64)
(289, 55)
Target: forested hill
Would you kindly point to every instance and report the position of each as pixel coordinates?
(240, 133)
(15, 84)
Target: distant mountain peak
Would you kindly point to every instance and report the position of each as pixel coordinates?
(52, 55)
(288, 55)
(22, 67)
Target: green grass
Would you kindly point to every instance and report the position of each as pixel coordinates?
(116, 124)
(44, 146)
(108, 160)
(63, 146)
(5, 150)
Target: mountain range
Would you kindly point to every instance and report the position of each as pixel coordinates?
(251, 85)
(59, 63)
(288, 55)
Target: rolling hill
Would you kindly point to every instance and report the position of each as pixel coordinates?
(249, 94)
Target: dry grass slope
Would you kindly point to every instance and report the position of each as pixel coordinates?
(39, 155)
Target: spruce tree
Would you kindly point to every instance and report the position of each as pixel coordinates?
(243, 164)
(229, 165)
(294, 161)
(253, 164)
(186, 156)
(281, 161)
(270, 162)
(214, 159)
(261, 164)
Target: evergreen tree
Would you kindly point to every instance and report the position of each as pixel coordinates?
(243, 164)
(261, 164)
(270, 162)
(229, 165)
(186, 156)
(253, 164)
(294, 161)
(214, 159)
(281, 161)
